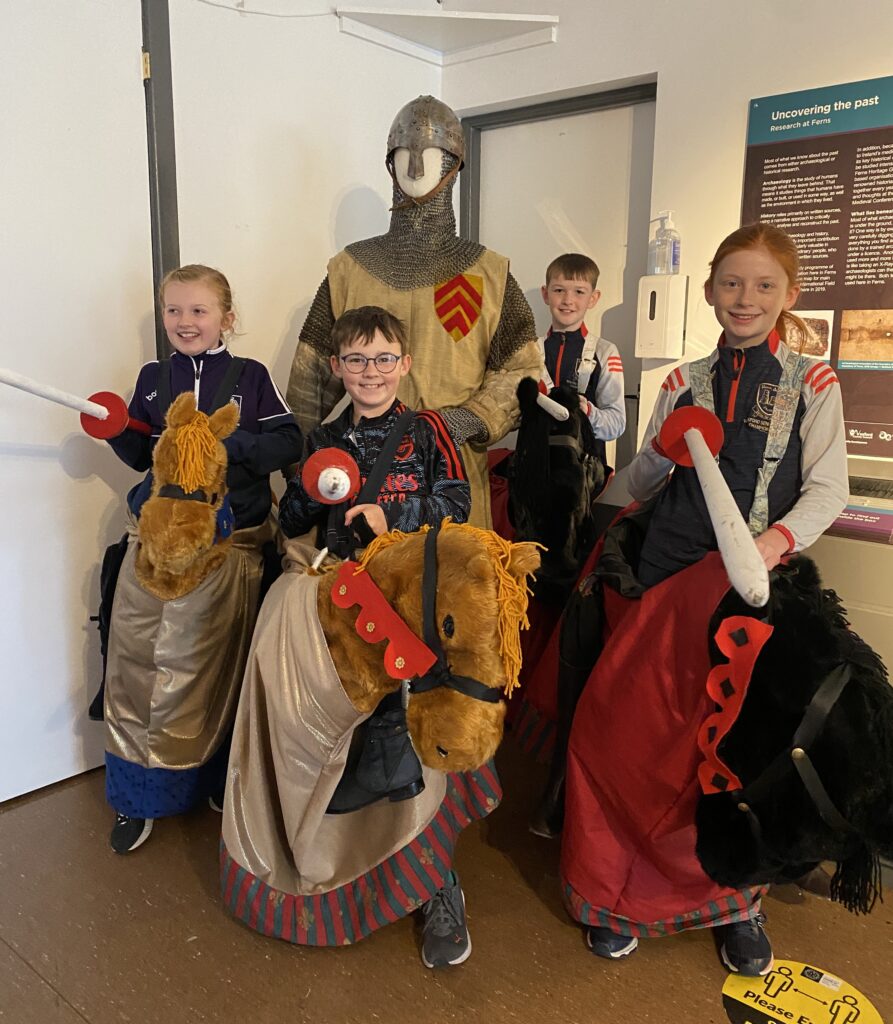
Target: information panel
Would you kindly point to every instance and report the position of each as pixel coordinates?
(820, 165)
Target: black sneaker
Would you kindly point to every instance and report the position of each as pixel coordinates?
(445, 938)
(129, 833)
(745, 948)
(603, 942)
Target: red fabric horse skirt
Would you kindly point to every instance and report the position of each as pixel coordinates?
(632, 788)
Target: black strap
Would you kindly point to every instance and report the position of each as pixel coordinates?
(813, 721)
(221, 397)
(163, 388)
(429, 594)
(176, 491)
(230, 379)
(342, 540)
(807, 732)
(439, 674)
(820, 706)
(369, 492)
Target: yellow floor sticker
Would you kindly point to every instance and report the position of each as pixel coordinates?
(793, 993)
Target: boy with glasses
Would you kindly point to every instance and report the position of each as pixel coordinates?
(423, 482)
(426, 480)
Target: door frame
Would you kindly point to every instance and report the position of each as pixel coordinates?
(474, 124)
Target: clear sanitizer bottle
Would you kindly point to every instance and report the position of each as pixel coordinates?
(664, 246)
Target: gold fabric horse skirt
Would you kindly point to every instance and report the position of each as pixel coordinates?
(173, 674)
(289, 869)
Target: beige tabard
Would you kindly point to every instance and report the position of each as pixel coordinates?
(450, 371)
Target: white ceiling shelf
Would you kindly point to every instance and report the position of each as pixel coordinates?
(447, 37)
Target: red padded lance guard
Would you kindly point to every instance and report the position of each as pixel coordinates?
(118, 418)
(671, 438)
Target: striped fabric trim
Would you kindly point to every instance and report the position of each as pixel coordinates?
(533, 731)
(674, 380)
(819, 377)
(386, 893)
(615, 364)
(740, 906)
(445, 443)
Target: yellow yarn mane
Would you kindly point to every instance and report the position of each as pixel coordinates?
(195, 443)
(511, 594)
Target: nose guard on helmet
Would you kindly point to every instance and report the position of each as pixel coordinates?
(424, 122)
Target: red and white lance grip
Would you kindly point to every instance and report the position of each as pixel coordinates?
(331, 476)
(693, 436)
(103, 415)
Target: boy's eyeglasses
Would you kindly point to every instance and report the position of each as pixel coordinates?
(384, 362)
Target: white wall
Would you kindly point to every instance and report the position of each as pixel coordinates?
(76, 296)
(281, 125)
(281, 129)
(709, 59)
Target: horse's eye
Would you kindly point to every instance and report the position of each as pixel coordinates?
(449, 627)
(442, 752)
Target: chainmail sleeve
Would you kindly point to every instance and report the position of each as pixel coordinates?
(313, 389)
(516, 326)
(493, 411)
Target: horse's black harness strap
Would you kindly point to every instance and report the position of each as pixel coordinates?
(439, 674)
(176, 491)
(820, 706)
(824, 699)
(813, 721)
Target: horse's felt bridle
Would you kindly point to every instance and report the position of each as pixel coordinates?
(176, 491)
(805, 735)
(225, 519)
(421, 664)
(440, 673)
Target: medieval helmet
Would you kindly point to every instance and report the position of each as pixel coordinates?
(423, 123)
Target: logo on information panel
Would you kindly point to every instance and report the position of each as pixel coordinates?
(458, 302)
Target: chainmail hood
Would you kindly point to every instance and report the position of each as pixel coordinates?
(421, 247)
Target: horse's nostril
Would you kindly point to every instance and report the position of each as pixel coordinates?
(442, 752)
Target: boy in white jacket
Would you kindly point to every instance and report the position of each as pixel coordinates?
(573, 355)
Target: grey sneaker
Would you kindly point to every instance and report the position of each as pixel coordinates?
(445, 938)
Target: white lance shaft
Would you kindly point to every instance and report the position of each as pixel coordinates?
(51, 394)
(552, 408)
(745, 566)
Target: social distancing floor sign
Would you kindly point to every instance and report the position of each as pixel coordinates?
(793, 993)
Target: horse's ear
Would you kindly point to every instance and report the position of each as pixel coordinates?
(182, 410)
(527, 392)
(224, 421)
(524, 559)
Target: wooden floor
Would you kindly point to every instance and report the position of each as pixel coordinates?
(86, 935)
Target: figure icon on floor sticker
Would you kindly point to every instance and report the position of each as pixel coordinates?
(844, 1010)
(797, 993)
(778, 981)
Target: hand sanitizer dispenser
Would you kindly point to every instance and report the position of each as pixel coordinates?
(660, 317)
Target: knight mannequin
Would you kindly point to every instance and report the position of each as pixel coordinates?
(471, 332)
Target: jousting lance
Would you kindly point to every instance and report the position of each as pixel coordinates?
(103, 415)
(693, 436)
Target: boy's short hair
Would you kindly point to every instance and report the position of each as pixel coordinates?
(360, 324)
(575, 266)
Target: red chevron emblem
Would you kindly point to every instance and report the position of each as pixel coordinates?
(458, 303)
